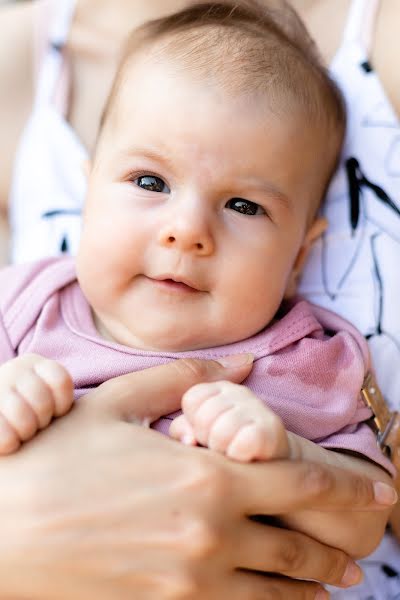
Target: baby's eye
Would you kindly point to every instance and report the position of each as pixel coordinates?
(151, 183)
(245, 206)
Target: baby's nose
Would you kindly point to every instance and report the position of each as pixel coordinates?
(187, 236)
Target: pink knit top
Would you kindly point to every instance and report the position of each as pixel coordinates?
(309, 365)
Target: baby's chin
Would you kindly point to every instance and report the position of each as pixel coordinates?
(171, 339)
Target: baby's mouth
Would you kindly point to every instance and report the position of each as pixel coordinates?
(177, 284)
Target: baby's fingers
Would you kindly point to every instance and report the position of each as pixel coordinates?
(9, 439)
(58, 382)
(33, 390)
(45, 389)
(203, 404)
(42, 390)
(18, 420)
(229, 418)
(258, 442)
(181, 430)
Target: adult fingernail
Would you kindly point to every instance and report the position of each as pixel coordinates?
(322, 595)
(385, 494)
(236, 360)
(352, 574)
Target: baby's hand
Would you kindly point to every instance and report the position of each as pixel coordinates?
(229, 418)
(33, 390)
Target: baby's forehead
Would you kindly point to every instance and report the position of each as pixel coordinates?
(159, 74)
(156, 82)
(247, 48)
(229, 61)
(170, 122)
(163, 91)
(264, 71)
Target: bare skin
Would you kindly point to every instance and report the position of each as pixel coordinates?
(326, 22)
(55, 517)
(34, 390)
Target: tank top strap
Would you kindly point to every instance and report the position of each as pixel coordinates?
(41, 28)
(360, 24)
(53, 63)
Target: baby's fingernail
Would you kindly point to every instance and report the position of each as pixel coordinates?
(188, 440)
(384, 494)
(322, 595)
(236, 360)
(352, 574)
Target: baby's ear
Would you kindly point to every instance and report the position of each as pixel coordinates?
(314, 232)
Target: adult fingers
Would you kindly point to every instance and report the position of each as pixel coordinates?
(155, 392)
(279, 487)
(272, 549)
(254, 586)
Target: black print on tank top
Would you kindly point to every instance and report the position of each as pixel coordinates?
(61, 212)
(57, 46)
(389, 583)
(358, 182)
(366, 66)
(63, 245)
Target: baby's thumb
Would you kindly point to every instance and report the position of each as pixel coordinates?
(155, 392)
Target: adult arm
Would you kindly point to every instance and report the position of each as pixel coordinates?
(98, 508)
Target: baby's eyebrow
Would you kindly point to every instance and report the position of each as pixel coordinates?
(271, 189)
(150, 153)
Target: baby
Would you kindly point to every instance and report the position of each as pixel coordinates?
(217, 143)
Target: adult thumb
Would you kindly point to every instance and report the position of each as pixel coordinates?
(157, 391)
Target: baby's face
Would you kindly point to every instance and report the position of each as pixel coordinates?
(197, 209)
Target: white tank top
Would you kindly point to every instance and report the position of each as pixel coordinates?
(354, 269)
(48, 185)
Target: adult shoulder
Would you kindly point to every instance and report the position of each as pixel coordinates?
(325, 21)
(16, 83)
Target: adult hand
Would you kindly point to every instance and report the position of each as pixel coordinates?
(96, 508)
(395, 516)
